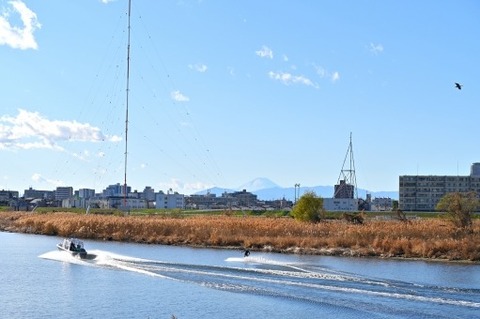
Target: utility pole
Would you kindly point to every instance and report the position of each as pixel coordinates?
(297, 185)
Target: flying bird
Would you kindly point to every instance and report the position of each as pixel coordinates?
(458, 85)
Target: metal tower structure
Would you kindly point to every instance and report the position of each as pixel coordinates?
(347, 181)
(127, 91)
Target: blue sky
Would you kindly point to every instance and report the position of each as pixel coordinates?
(223, 92)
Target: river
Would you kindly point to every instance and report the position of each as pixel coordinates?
(154, 281)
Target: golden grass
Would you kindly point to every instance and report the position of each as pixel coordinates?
(426, 238)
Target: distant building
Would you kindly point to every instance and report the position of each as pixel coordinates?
(225, 201)
(206, 201)
(344, 190)
(423, 192)
(62, 193)
(117, 202)
(278, 204)
(148, 194)
(41, 194)
(86, 193)
(5, 196)
(340, 204)
(130, 202)
(169, 201)
(382, 204)
(242, 198)
(116, 190)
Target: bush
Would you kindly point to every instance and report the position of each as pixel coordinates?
(309, 208)
(459, 208)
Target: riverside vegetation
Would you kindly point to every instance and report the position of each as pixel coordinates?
(431, 238)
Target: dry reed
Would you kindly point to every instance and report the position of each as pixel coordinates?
(426, 238)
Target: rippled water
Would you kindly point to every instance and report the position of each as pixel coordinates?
(149, 281)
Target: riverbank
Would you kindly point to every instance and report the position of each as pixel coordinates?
(433, 239)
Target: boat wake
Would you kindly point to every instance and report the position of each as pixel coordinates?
(299, 282)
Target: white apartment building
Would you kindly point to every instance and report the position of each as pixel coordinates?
(169, 201)
(423, 192)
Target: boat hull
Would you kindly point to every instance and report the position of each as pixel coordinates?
(81, 252)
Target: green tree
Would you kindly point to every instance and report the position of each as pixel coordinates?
(394, 205)
(309, 208)
(459, 208)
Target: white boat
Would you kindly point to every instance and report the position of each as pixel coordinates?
(73, 246)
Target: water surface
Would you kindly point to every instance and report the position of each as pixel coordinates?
(154, 281)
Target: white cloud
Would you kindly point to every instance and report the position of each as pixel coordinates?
(320, 71)
(38, 178)
(30, 130)
(335, 76)
(288, 78)
(323, 73)
(199, 67)
(376, 48)
(82, 156)
(177, 185)
(19, 37)
(107, 1)
(179, 97)
(265, 52)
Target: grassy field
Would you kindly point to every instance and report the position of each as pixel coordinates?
(432, 238)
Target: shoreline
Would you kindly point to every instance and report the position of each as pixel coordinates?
(333, 252)
(425, 240)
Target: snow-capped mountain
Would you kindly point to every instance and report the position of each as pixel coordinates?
(258, 184)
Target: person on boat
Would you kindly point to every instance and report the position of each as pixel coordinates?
(247, 253)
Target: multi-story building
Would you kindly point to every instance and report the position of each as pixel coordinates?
(85, 193)
(42, 194)
(169, 201)
(63, 193)
(423, 192)
(344, 190)
(116, 190)
(148, 194)
(6, 196)
(226, 200)
(201, 201)
(125, 203)
(242, 198)
(343, 198)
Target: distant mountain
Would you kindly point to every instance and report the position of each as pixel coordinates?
(289, 192)
(258, 184)
(215, 190)
(265, 189)
(322, 191)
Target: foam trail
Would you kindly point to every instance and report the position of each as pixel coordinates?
(118, 264)
(302, 272)
(279, 280)
(63, 257)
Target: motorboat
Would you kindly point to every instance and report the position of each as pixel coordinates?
(73, 246)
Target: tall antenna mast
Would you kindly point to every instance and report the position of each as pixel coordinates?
(126, 106)
(347, 174)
